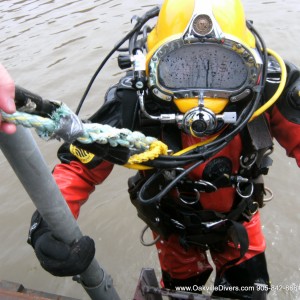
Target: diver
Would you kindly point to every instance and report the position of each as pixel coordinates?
(203, 82)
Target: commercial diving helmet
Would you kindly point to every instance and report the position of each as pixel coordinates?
(203, 58)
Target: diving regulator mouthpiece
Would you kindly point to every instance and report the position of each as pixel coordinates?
(201, 121)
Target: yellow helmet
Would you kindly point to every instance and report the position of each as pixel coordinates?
(202, 56)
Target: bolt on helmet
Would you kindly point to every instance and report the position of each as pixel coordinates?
(202, 56)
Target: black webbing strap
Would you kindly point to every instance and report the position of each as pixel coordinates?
(232, 230)
(256, 140)
(239, 236)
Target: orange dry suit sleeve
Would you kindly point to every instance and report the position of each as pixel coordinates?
(285, 115)
(78, 174)
(85, 165)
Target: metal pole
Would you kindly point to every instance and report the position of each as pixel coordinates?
(22, 152)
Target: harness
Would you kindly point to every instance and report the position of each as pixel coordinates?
(179, 212)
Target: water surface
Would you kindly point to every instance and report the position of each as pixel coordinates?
(53, 49)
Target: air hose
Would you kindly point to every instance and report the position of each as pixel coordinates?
(280, 88)
(213, 145)
(188, 155)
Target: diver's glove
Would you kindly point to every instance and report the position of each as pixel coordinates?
(55, 256)
(117, 155)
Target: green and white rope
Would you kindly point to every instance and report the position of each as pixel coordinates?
(92, 132)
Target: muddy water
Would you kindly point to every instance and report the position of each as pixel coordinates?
(53, 48)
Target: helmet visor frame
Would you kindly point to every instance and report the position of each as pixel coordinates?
(215, 69)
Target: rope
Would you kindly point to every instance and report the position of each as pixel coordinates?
(155, 149)
(63, 123)
(44, 126)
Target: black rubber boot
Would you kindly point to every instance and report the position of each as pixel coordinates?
(248, 280)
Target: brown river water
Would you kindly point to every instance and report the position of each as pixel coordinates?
(53, 48)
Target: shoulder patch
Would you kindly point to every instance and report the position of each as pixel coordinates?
(84, 156)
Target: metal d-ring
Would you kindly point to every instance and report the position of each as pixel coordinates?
(142, 238)
(240, 192)
(271, 195)
(193, 202)
(256, 209)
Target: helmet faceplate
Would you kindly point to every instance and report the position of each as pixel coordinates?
(202, 47)
(201, 55)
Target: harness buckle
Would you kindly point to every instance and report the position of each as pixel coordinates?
(177, 224)
(214, 225)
